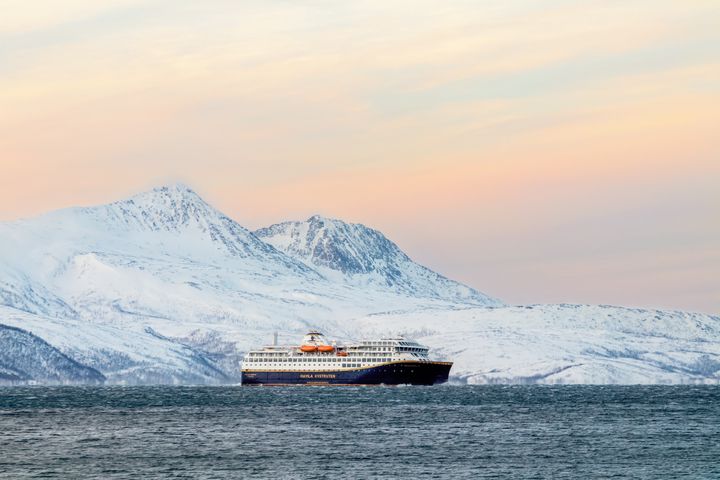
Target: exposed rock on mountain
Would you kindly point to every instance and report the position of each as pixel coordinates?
(365, 257)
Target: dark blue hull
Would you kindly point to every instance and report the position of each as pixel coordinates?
(396, 373)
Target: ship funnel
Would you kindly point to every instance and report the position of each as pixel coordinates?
(275, 338)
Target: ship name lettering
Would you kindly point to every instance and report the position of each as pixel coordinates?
(317, 375)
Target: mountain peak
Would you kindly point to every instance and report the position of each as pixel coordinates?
(365, 257)
(329, 243)
(321, 221)
(178, 188)
(179, 210)
(174, 194)
(169, 208)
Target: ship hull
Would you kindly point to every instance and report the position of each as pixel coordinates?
(396, 373)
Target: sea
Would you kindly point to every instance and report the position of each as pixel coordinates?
(446, 431)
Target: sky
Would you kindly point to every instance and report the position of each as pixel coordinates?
(540, 151)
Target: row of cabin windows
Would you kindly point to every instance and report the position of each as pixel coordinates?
(351, 365)
(391, 344)
(396, 349)
(371, 354)
(372, 349)
(314, 360)
(368, 358)
(352, 351)
(274, 357)
(279, 354)
(344, 365)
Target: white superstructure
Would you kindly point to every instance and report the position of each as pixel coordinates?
(315, 353)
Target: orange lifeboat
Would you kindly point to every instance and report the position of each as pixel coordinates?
(342, 354)
(308, 348)
(326, 348)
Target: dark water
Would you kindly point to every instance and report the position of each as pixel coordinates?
(306, 432)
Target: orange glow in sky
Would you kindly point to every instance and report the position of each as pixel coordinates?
(540, 151)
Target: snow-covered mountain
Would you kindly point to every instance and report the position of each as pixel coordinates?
(364, 257)
(122, 353)
(564, 343)
(162, 270)
(163, 288)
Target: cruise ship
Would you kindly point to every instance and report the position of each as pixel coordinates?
(388, 361)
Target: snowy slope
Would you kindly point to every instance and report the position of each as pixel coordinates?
(564, 343)
(163, 255)
(163, 288)
(122, 355)
(364, 257)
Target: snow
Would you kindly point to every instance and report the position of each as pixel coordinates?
(363, 257)
(163, 288)
(564, 343)
(123, 355)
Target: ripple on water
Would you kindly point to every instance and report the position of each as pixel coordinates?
(441, 432)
